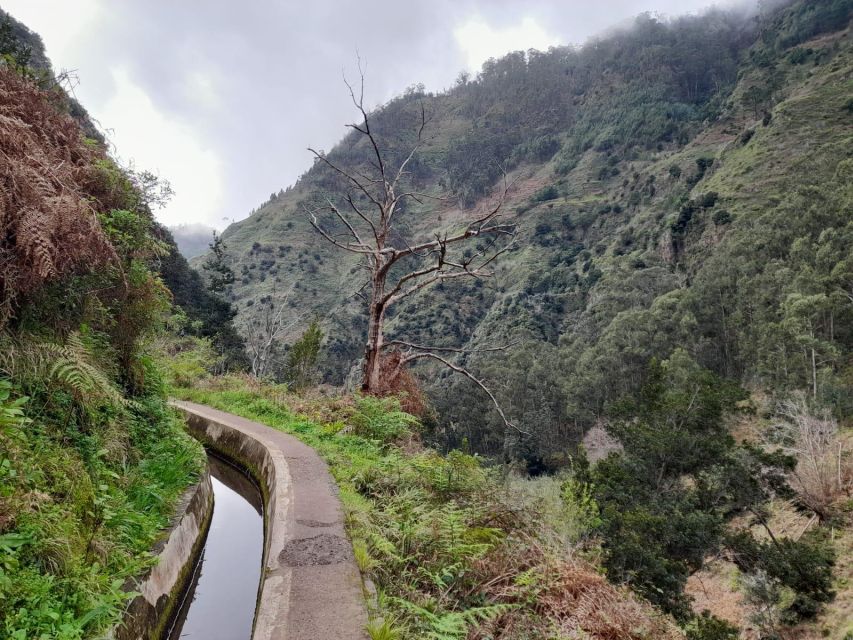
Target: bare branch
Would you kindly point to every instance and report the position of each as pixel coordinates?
(418, 356)
(415, 148)
(352, 179)
(363, 216)
(448, 275)
(473, 229)
(420, 196)
(346, 222)
(365, 129)
(442, 251)
(418, 347)
(462, 269)
(359, 248)
(358, 293)
(503, 229)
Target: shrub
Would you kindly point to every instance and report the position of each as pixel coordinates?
(746, 136)
(566, 162)
(799, 55)
(302, 358)
(804, 566)
(543, 229)
(188, 361)
(381, 419)
(708, 200)
(722, 217)
(546, 193)
(709, 627)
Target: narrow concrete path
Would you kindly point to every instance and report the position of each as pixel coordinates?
(311, 587)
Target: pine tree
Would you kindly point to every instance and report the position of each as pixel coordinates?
(302, 360)
(220, 275)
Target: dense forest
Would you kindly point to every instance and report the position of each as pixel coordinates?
(639, 423)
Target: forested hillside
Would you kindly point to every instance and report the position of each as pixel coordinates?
(92, 461)
(676, 299)
(677, 183)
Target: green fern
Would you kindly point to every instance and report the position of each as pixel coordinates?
(72, 365)
(11, 411)
(453, 625)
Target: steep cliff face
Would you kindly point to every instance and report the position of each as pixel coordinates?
(655, 175)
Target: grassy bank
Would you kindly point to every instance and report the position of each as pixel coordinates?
(455, 550)
(81, 505)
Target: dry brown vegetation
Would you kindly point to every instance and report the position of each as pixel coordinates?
(824, 474)
(570, 599)
(51, 184)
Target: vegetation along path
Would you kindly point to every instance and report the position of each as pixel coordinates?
(311, 586)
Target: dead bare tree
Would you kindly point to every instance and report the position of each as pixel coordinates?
(368, 230)
(264, 330)
(823, 474)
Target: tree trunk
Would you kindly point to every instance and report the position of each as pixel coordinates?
(371, 382)
(814, 376)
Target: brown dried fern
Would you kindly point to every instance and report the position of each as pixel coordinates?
(49, 179)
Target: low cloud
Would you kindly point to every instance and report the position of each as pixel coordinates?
(223, 98)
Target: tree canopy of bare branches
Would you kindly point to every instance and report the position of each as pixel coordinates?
(364, 224)
(823, 474)
(264, 330)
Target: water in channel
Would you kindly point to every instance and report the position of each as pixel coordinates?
(220, 602)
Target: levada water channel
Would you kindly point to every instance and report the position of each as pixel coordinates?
(220, 601)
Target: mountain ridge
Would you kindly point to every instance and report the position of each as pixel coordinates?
(625, 185)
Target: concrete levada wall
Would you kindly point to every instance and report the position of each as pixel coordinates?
(311, 588)
(269, 469)
(161, 588)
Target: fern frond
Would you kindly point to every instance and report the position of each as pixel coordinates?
(453, 625)
(48, 225)
(72, 365)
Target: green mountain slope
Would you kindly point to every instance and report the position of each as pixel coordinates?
(682, 183)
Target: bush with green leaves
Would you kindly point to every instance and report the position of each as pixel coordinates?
(707, 627)
(656, 528)
(804, 566)
(381, 419)
(302, 357)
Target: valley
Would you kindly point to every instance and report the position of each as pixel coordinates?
(560, 352)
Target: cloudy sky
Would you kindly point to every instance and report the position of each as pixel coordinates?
(223, 97)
